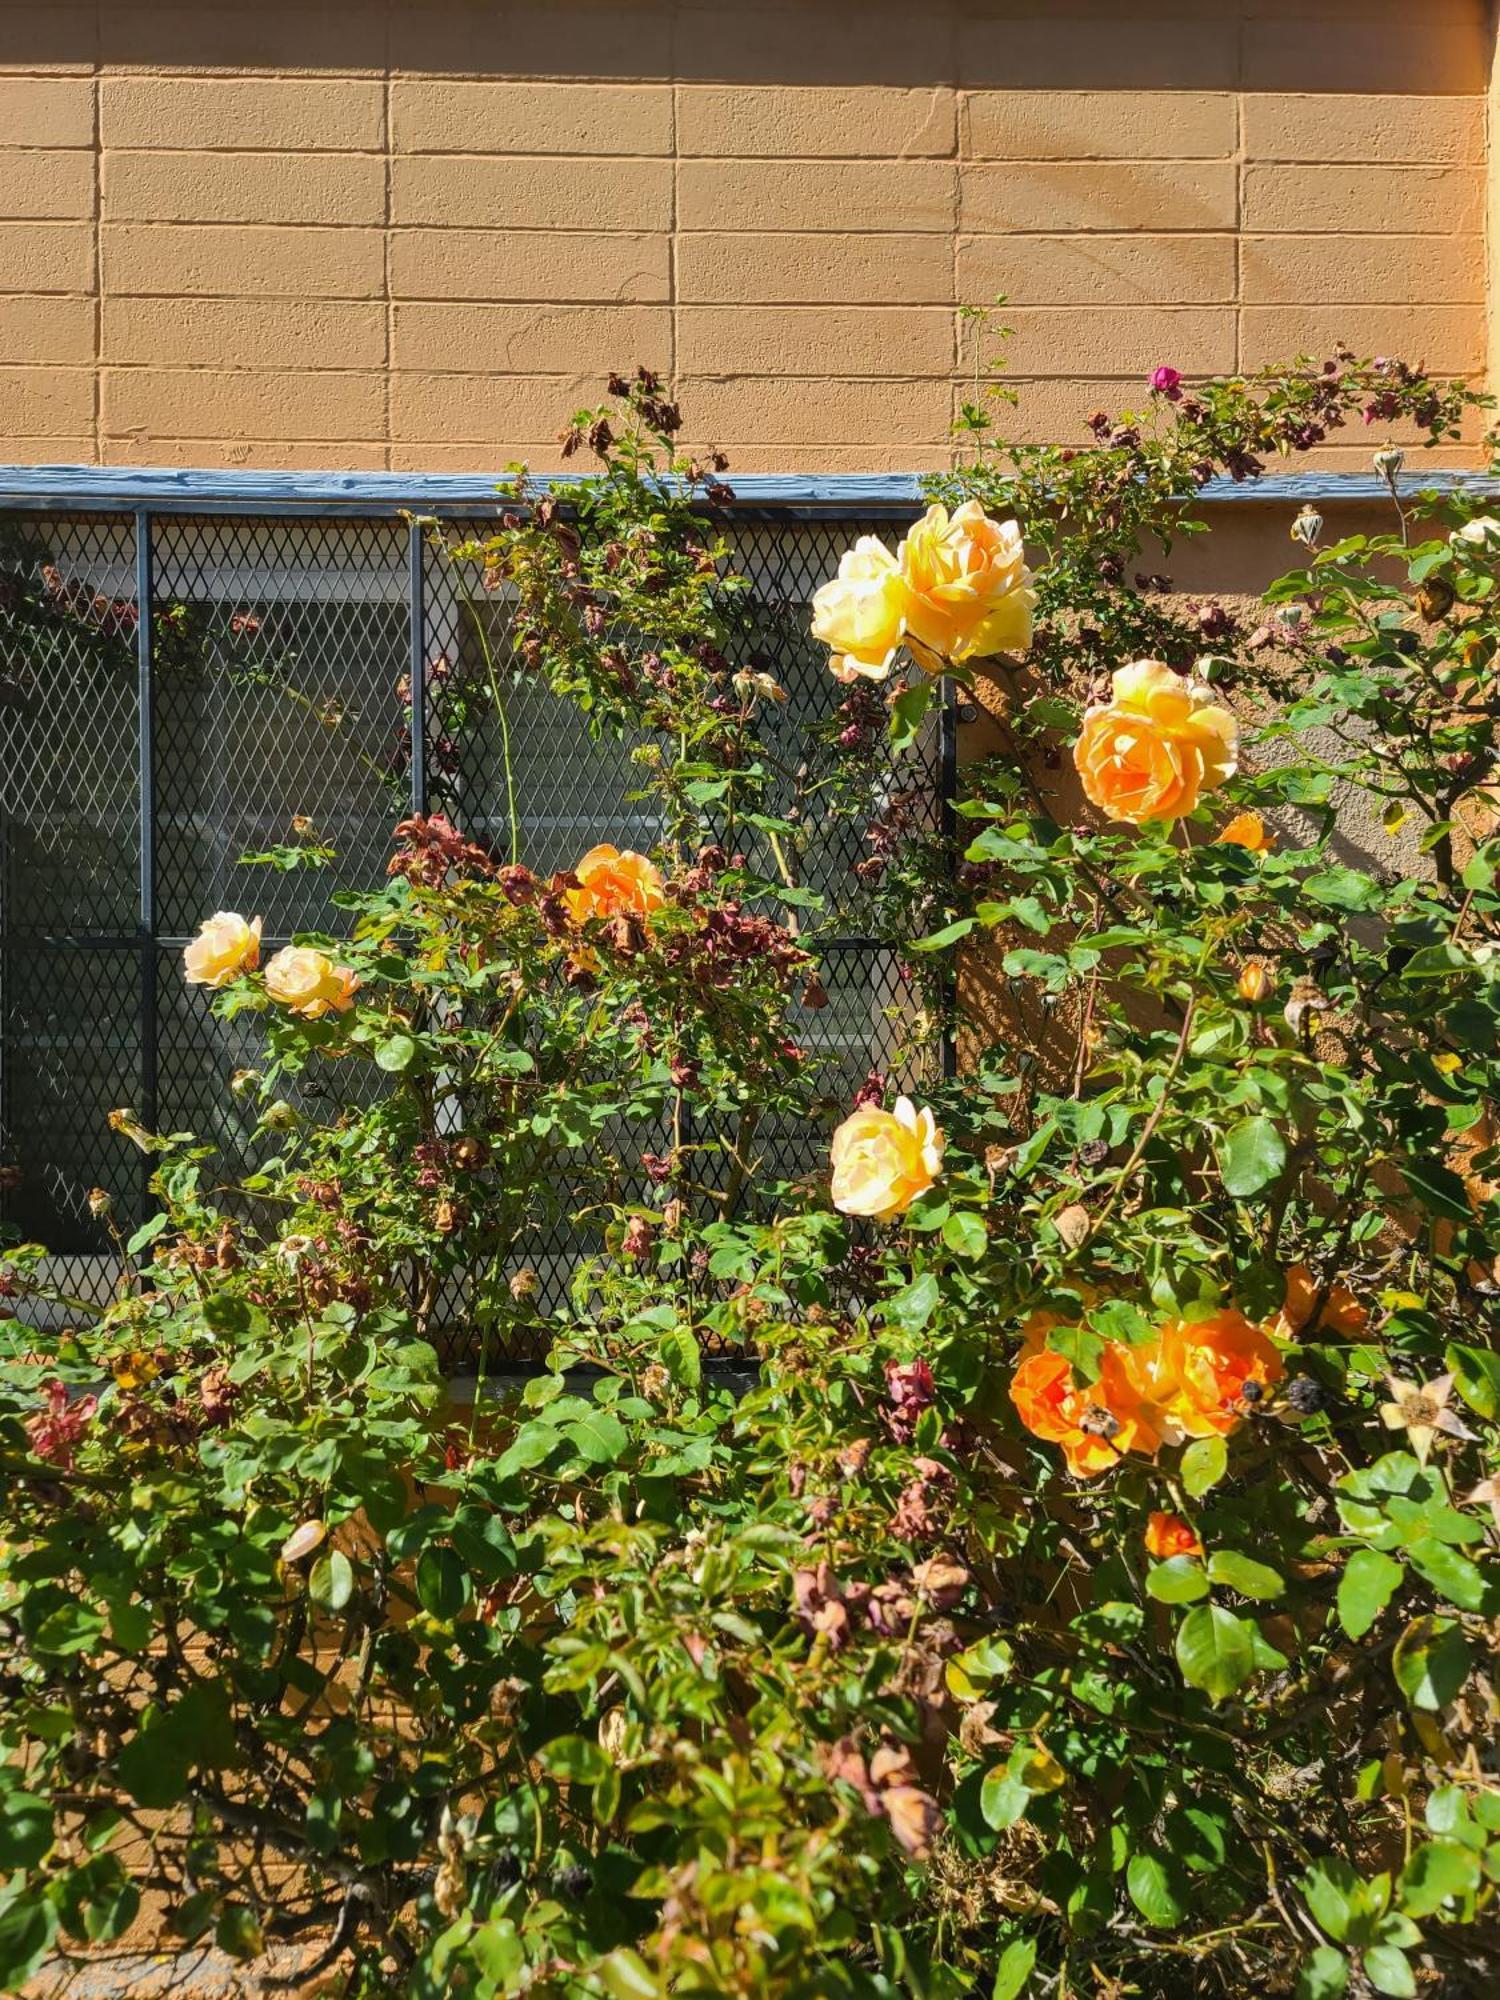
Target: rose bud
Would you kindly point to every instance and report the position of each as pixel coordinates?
(1256, 981)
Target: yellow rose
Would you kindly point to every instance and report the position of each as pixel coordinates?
(968, 590)
(308, 983)
(860, 612)
(1159, 742)
(614, 884)
(882, 1160)
(1247, 830)
(225, 947)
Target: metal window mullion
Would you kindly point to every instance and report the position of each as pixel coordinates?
(146, 781)
(948, 824)
(417, 570)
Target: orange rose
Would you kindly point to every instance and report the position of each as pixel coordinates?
(968, 590)
(1169, 1535)
(861, 613)
(614, 884)
(1209, 1364)
(1054, 1408)
(1341, 1312)
(882, 1160)
(1247, 830)
(308, 983)
(1159, 742)
(225, 947)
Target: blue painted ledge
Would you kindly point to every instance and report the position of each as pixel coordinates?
(171, 489)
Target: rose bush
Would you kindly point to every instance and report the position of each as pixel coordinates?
(1083, 1579)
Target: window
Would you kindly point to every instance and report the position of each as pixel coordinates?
(281, 646)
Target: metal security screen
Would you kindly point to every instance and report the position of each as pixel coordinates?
(178, 682)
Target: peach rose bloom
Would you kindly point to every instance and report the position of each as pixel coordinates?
(1208, 1363)
(614, 883)
(1159, 742)
(225, 947)
(882, 1160)
(308, 983)
(1169, 1535)
(860, 613)
(1341, 1313)
(1247, 830)
(968, 590)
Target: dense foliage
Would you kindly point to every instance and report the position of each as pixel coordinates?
(1085, 1583)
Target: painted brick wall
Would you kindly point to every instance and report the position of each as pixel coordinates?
(415, 233)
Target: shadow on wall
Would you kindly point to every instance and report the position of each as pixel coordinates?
(1392, 46)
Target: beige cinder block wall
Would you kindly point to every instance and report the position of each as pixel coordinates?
(414, 233)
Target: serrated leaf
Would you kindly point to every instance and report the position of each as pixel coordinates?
(1452, 1575)
(965, 1234)
(396, 1053)
(1153, 1891)
(1251, 1156)
(1215, 1651)
(1369, 1582)
(599, 1437)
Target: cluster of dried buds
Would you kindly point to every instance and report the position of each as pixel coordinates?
(887, 1784)
(432, 851)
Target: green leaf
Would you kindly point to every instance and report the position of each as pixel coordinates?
(1452, 1575)
(1244, 1574)
(599, 1437)
(949, 934)
(1251, 1156)
(1154, 1891)
(1178, 1580)
(1476, 1372)
(1324, 1974)
(27, 1928)
(147, 1233)
(1369, 1582)
(1439, 1872)
(396, 1053)
(626, 1976)
(1017, 1962)
(1203, 1465)
(908, 712)
(1334, 1893)
(915, 1303)
(682, 1357)
(1431, 1662)
(1389, 1971)
(576, 1758)
(443, 1584)
(1003, 1798)
(1215, 1651)
(331, 1584)
(25, 1830)
(966, 1235)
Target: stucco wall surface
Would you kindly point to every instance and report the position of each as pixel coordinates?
(415, 233)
